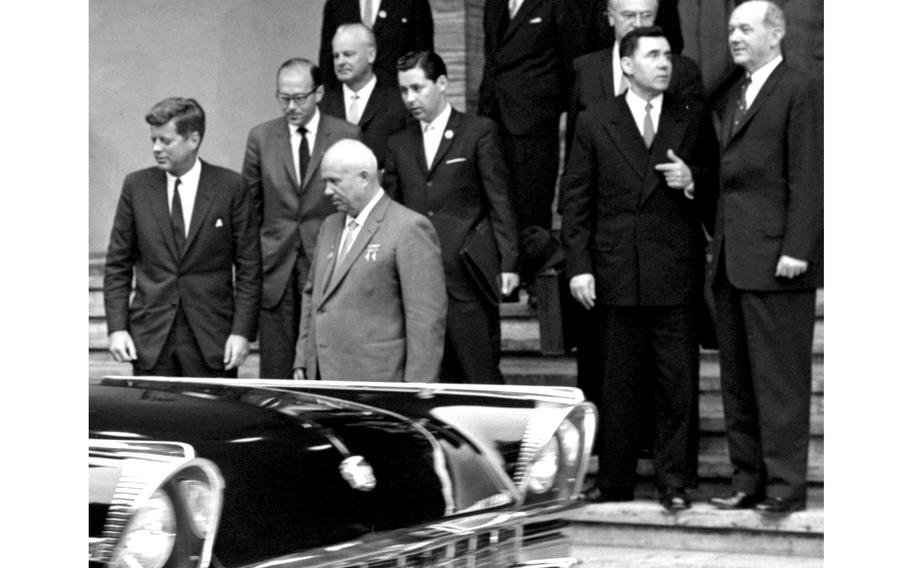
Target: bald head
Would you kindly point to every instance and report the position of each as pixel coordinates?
(350, 173)
(353, 54)
(626, 15)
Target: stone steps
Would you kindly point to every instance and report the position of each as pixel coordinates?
(629, 557)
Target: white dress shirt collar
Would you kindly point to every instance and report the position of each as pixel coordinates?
(363, 94)
(637, 106)
(433, 132)
(617, 70)
(189, 184)
(361, 219)
(760, 77)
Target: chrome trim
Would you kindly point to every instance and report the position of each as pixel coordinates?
(141, 449)
(549, 563)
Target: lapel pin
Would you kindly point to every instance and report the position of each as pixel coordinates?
(372, 251)
(382, 14)
(218, 222)
(448, 134)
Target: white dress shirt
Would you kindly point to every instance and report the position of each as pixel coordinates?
(433, 132)
(311, 127)
(360, 219)
(189, 183)
(363, 97)
(759, 77)
(637, 106)
(374, 9)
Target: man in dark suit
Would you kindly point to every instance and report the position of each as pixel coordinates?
(639, 185)
(184, 229)
(375, 303)
(598, 75)
(525, 88)
(280, 171)
(449, 167)
(400, 26)
(360, 99)
(768, 264)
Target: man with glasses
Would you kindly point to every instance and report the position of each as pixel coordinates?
(281, 172)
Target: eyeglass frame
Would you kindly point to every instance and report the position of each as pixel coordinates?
(285, 99)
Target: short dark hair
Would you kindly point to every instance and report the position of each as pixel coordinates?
(429, 61)
(187, 115)
(629, 42)
(315, 73)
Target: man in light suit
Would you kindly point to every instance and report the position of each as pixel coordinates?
(400, 26)
(598, 74)
(361, 99)
(639, 186)
(527, 78)
(767, 265)
(281, 173)
(448, 166)
(374, 306)
(184, 229)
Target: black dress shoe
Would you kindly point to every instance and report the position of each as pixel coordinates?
(737, 500)
(780, 506)
(596, 494)
(674, 499)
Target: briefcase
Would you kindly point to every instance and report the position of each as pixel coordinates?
(481, 259)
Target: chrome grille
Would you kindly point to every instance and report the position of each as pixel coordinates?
(494, 548)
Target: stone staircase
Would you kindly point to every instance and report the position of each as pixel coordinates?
(640, 533)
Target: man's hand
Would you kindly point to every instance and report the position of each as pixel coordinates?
(676, 172)
(236, 348)
(299, 374)
(121, 346)
(789, 267)
(508, 281)
(582, 287)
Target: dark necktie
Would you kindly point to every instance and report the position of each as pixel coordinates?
(304, 154)
(177, 223)
(740, 111)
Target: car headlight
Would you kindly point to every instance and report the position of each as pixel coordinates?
(570, 440)
(149, 537)
(197, 497)
(542, 473)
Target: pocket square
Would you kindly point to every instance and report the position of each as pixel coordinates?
(536, 20)
(218, 222)
(456, 160)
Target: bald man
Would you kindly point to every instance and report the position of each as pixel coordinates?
(374, 305)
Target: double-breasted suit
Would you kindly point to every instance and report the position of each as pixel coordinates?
(400, 26)
(215, 280)
(770, 205)
(465, 189)
(383, 115)
(644, 244)
(380, 315)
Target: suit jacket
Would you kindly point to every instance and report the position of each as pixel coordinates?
(383, 115)
(400, 26)
(642, 240)
(771, 185)
(527, 70)
(216, 280)
(466, 184)
(288, 215)
(380, 316)
(594, 83)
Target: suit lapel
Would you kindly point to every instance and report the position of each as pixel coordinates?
(763, 95)
(323, 136)
(621, 127)
(334, 227)
(372, 224)
(670, 131)
(415, 142)
(373, 104)
(204, 196)
(445, 143)
(281, 136)
(520, 17)
(606, 74)
(158, 204)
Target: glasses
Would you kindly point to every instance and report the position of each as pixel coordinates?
(285, 100)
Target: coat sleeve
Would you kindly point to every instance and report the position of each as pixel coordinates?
(495, 180)
(391, 180)
(802, 238)
(247, 265)
(423, 26)
(423, 294)
(577, 200)
(252, 178)
(705, 170)
(122, 253)
(301, 351)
